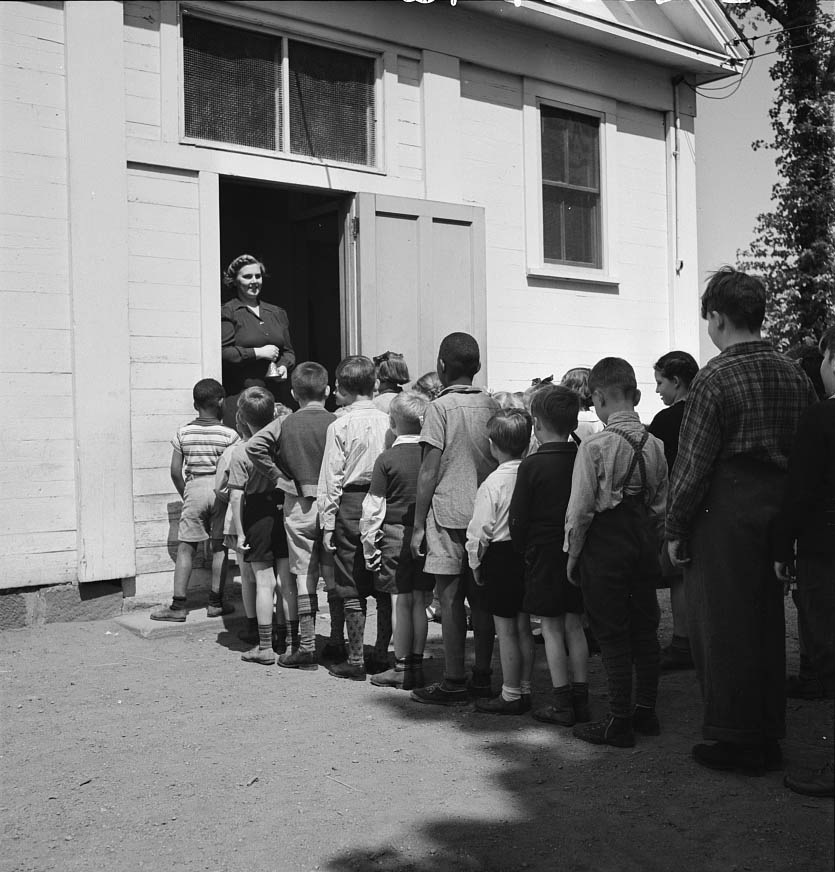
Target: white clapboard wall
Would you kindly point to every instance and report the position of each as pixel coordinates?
(37, 481)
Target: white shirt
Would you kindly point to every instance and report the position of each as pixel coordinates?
(352, 444)
(490, 521)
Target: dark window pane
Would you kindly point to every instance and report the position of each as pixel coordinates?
(231, 79)
(583, 153)
(552, 200)
(553, 146)
(580, 218)
(331, 104)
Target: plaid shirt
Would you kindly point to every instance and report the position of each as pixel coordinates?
(746, 402)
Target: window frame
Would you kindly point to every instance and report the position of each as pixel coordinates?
(270, 27)
(536, 94)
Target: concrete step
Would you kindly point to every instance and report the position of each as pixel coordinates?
(140, 623)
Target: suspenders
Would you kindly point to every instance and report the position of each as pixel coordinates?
(637, 446)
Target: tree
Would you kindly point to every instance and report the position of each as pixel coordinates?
(794, 245)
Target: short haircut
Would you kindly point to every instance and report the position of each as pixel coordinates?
(677, 364)
(429, 385)
(409, 408)
(208, 392)
(613, 374)
(256, 407)
(460, 354)
(356, 374)
(736, 295)
(242, 260)
(392, 368)
(577, 380)
(827, 344)
(510, 430)
(309, 381)
(557, 408)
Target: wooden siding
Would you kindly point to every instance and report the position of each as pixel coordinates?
(142, 69)
(409, 131)
(538, 327)
(165, 346)
(37, 479)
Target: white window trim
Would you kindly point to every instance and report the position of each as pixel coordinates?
(384, 61)
(581, 102)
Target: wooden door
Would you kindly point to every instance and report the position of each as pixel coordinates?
(421, 276)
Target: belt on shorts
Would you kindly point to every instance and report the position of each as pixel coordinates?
(356, 488)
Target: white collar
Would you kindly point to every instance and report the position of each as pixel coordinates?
(407, 439)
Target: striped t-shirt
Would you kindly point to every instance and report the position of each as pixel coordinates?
(201, 442)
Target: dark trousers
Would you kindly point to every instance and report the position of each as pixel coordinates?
(352, 579)
(735, 606)
(815, 601)
(619, 572)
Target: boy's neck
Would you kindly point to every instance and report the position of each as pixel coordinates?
(464, 380)
(211, 414)
(305, 404)
(356, 398)
(398, 432)
(544, 436)
(615, 406)
(506, 457)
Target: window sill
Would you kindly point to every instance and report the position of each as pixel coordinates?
(575, 275)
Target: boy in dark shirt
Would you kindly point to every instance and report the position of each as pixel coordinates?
(388, 516)
(290, 454)
(537, 524)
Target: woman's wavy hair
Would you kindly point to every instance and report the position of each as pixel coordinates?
(231, 271)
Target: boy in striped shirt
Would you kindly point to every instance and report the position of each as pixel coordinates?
(198, 446)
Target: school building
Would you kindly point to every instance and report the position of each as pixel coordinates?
(524, 171)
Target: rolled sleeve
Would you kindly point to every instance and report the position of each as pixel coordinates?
(433, 431)
(371, 523)
(481, 526)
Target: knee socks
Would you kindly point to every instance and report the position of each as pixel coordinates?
(355, 625)
(292, 635)
(336, 607)
(265, 636)
(307, 622)
(384, 626)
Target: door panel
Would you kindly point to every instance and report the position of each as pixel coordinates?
(421, 276)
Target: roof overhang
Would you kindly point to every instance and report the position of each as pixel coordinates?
(691, 37)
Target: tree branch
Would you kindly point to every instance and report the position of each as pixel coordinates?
(773, 11)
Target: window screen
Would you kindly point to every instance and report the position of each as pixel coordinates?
(331, 104)
(232, 84)
(570, 187)
(233, 94)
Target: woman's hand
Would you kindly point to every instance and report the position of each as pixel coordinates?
(267, 352)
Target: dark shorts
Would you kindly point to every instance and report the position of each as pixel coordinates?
(263, 521)
(399, 571)
(503, 574)
(548, 592)
(351, 578)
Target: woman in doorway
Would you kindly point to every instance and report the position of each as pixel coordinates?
(255, 336)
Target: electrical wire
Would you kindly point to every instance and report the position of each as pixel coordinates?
(768, 33)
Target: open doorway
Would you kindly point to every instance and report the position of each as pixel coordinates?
(297, 233)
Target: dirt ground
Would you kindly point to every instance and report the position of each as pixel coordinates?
(126, 753)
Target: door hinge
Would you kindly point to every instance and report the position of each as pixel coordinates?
(355, 227)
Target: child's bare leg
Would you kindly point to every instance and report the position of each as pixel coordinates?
(420, 626)
(484, 636)
(264, 595)
(510, 655)
(220, 565)
(453, 625)
(247, 584)
(526, 649)
(182, 568)
(553, 632)
(384, 627)
(336, 607)
(578, 647)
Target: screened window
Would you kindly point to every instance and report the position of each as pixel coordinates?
(234, 93)
(570, 187)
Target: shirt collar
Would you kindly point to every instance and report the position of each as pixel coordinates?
(747, 347)
(508, 466)
(361, 404)
(623, 418)
(407, 439)
(460, 389)
(556, 447)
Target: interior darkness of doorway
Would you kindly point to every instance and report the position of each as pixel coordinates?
(296, 234)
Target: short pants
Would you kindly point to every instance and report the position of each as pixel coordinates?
(503, 575)
(446, 552)
(304, 535)
(201, 509)
(548, 592)
(263, 521)
(399, 571)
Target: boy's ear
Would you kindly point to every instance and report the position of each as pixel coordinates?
(637, 396)
(535, 422)
(441, 366)
(293, 394)
(392, 423)
(327, 391)
(376, 385)
(478, 368)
